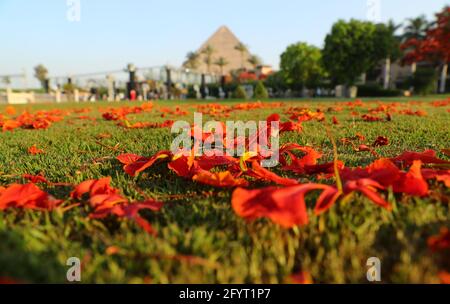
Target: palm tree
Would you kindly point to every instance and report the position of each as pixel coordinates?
(241, 48)
(192, 60)
(416, 29)
(254, 61)
(221, 63)
(208, 51)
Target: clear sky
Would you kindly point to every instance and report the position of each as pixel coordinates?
(112, 33)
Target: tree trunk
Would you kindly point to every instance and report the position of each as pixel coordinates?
(363, 78)
(413, 68)
(352, 91)
(387, 73)
(443, 78)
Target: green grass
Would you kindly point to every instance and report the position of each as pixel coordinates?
(197, 221)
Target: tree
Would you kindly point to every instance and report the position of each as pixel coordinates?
(276, 82)
(242, 49)
(434, 48)
(261, 91)
(208, 51)
(301, 66)
(192, 60)
(221, 63)
(349, 50)
(416, 29)
(254, 61)
(6, 80)
(69, 89)
(240, 93)
(41, 73)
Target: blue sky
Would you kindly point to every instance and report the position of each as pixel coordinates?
(112, 33)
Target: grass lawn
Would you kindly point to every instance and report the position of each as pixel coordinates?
(200, 238)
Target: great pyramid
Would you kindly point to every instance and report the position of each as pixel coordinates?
(223, 42)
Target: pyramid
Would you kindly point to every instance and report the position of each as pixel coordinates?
(223, 41)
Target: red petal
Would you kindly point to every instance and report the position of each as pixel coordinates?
(285, 206)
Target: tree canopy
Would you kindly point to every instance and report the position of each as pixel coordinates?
(41, 73)
(387, 44)
(301, 65)
(435, 46)
(349, 50)
(192, 60)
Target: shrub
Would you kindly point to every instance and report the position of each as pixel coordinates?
(261, 91)
(240, 93)
(375, 90)
(213, 89)
(192, 94)
(424, 81)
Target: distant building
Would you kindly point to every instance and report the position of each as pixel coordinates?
(223, 42)
(262, 71)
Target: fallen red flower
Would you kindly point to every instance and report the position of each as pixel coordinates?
(441, 241)
(301, 278)
(134, 164)
(33, 150)
(257, 171)
(27, 196)
(365, 186)
(284, 206)
(426, 157)
(444, 276)
(219, 179)
(412, 183)
(35, 179)
(439, 175)
(93, 187)
(106, 200)
(381, 141)
(298, 165)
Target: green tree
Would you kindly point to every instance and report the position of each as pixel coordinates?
(41, 73)
(416, 28)
(208, 51)
(386, 48)
(386, 43)
(301, 65)
(276, 82)
(240, 93)
(349, 51)
(6, 80)
(192, 60)
(242, 49)
(254, 61)
(261, 91)
(221, 63)
(69, 90)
